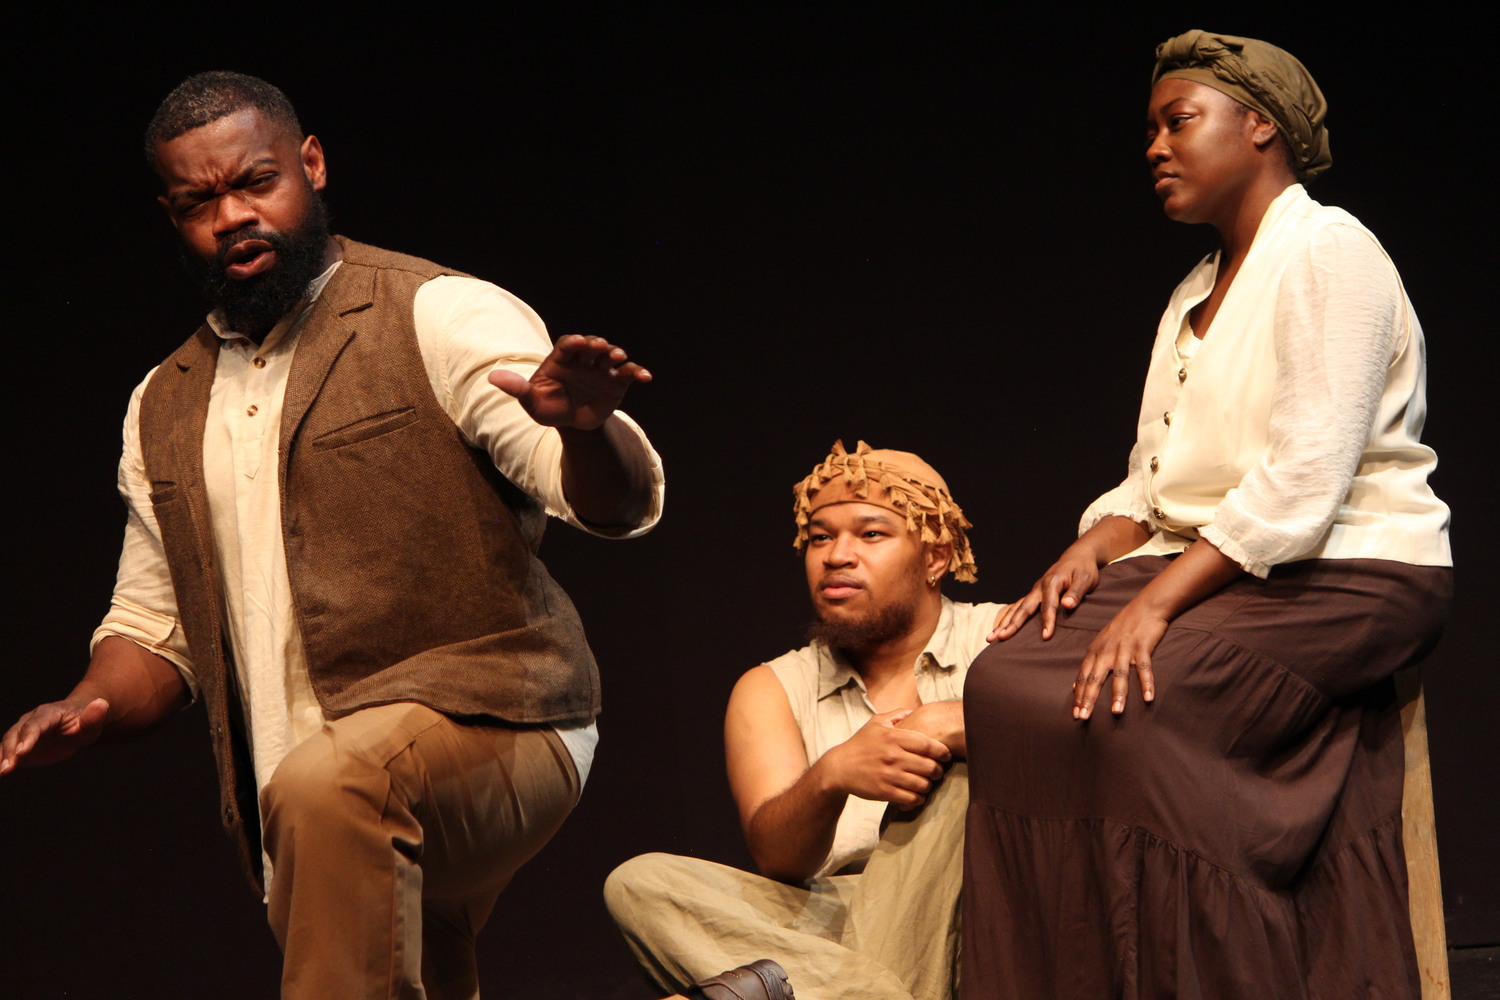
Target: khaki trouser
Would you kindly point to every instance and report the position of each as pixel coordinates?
(391, 833)
(890, 933)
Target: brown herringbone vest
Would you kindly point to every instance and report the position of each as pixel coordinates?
(412, 561)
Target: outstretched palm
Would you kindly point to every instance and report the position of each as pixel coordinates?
(578, 385)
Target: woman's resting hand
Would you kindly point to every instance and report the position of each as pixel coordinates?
(1075, 573)
(1131, 636)
(1065, 583)
(1126, 642)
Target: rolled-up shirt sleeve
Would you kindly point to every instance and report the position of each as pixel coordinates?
(1340, 322)
(467, 328)
(144, 606)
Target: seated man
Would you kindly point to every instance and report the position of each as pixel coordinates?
(858, 900)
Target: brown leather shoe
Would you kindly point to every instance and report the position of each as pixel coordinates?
(762, 980)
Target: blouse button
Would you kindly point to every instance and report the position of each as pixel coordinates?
(1166, 418)
(1154, 464)
(1182, 374)
(1158, 513)
(259, 362)
(252, 410)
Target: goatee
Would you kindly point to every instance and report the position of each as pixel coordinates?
(253, 306)
(880, 625)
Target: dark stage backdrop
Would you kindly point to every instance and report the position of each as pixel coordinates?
(929, 227)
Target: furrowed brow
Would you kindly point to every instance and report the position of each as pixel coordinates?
(202, 193)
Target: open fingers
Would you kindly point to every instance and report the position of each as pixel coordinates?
(1086, 686)
(1148, 678)
(632, 371)
(1119, 686)
(1115, 666)
(578, 351)
(1051, 585)
(1111, 664)
(1015, 615)
(23, 736)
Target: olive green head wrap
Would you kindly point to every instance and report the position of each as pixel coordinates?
(1259, 76)
(897, 480)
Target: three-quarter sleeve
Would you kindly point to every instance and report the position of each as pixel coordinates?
(143, 608)
(1126, 500)
(1339, 323)
(467, 328)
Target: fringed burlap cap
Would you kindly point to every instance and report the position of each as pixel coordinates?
(1258, 75)
(895, 480)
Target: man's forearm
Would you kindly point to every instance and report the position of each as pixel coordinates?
(606, 474)
(142, 688)
(791, 834)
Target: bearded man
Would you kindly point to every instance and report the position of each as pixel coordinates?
(842, 761)
(336, 489)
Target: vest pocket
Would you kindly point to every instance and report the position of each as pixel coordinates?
(365, 428)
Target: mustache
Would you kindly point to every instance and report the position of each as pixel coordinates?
(229, 241)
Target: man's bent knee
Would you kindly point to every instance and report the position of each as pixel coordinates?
(315, 783)
(640, 880)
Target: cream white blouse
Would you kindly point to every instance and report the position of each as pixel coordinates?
(1292, 430)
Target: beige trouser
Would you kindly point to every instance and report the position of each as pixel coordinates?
(888, 934)
(391, 832)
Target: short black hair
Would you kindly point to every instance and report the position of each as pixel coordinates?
(207, 97)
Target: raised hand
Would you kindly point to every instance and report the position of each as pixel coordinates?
(578, 385)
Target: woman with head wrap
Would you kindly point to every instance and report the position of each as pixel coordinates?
(1273, 555)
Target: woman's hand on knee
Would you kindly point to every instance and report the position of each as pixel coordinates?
(1064, 584)
(1125, 644)
(1073, 576)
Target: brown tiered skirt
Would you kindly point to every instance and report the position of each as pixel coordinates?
(1240, 837)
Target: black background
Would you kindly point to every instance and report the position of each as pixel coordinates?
(926, 226)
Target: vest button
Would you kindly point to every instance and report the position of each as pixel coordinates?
(1166, 418)
(1154, 464)
(1181, 373)
(259, 362)
(1158, 513)
(251, 410)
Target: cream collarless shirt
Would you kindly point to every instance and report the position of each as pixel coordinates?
(465, 329)
(1293, 429)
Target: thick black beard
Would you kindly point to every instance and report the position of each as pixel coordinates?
(880, 625)
(252, 307)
